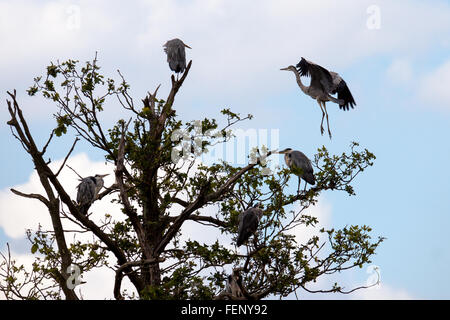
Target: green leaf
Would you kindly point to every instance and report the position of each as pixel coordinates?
(34, 248)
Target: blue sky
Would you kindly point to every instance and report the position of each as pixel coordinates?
(398, 73)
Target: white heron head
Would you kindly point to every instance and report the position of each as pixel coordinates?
(99, 180)
(287, 150)
(101, 175)
(99, 183)
(290, 68)
(175, 42)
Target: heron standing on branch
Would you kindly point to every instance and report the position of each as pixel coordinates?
(176, 55)
(233, 285)
(248, 223)
(88, 191)
(300, 164)
(323, 84)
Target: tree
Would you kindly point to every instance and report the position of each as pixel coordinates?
(154, 177)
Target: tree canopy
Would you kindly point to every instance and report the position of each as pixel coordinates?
(159, 187)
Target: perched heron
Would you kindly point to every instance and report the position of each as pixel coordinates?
(323, 84)
(248, 223)
(233, 285)
(297, 160)
(176, 54)
(88, 191)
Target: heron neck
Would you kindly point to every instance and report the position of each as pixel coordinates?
(286, 160)
(299, 82)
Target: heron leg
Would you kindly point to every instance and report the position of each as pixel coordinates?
(323, 116)
(333, 99)
(255, 239)
(328, 124)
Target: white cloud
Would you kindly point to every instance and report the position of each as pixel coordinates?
(382, 292)
(99, 283)
(434, 88)
(18, 214)
(322, 211)
(237, 45)
(400, 71)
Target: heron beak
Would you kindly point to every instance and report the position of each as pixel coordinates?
(187, 46)
(282, 151)
(285, 69)
(103, 175)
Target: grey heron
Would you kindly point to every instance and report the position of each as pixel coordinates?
(88, 190)
(297, 160)
(232, 286)
(248, 223)
(176, 54)
(323, 84)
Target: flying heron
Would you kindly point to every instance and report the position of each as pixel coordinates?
(248, 223)
(176, 54)
(323, 84)
(88, 191)
(297, 160)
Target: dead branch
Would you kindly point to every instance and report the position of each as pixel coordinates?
(67, 156)
(32, 196)
(74, 171)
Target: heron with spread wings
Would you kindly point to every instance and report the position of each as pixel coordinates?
(323, 84)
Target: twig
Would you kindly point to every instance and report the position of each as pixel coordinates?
(67, 156)
(74, 171)
(44, 149)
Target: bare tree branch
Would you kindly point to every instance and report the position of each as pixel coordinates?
(32, 196)
(74, 171)
(67, 156)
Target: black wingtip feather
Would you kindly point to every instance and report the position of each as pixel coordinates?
(302, 67)
(344, 94)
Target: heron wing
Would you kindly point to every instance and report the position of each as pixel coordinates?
(320, 77)
(300, 160)
(86, 191)
(248, 224)
(176, 55)
(343, 92)
(182, 57)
